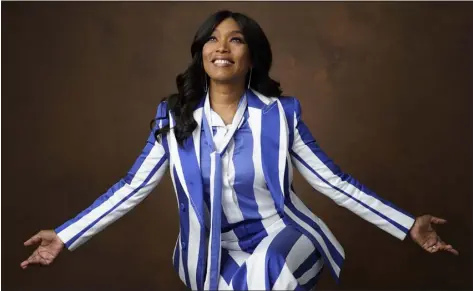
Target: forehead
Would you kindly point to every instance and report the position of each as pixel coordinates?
(227, 26)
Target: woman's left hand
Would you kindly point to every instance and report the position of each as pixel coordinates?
(424, 235)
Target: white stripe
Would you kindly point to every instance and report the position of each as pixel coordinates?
(229, 197)
(229, 236)
(175, 248)
(193, 247)
(197, 132)
(156, 153)
(312, 272)
(264, 201)
(342, 199)
(230, 245)
(283, 150)
(222, 284)
(299, 252)
(181, 266)
(286, 280)
(256, 264)
(182, 274)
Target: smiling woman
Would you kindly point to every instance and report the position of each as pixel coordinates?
(226, 56)
(231, 141)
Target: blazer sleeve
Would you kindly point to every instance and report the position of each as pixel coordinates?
(140, 180)
(327, 178)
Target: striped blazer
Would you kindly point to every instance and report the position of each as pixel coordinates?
(284, 142)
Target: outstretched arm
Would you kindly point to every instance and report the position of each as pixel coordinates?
(326, 177)
(142, 178)
(145, 174)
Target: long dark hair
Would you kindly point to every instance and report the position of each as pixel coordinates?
(191, 83)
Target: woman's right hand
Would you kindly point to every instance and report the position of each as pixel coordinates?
(50, 245)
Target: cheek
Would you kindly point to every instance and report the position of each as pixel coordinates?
(243, 65)
(206, 52)
(244, 58)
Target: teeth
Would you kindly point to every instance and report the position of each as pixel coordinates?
(222, 62)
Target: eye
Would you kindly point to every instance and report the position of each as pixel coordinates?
(212, 38)
(237, 39)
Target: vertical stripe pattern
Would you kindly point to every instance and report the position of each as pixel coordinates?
(242, 225)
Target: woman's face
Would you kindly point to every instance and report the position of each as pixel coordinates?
(225, 55)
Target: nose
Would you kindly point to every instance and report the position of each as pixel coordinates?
(222, 47)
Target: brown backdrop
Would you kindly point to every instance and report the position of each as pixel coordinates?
(385, 87)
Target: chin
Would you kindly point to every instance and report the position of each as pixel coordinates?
(221, 78)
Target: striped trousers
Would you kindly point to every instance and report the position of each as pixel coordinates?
(285, 259)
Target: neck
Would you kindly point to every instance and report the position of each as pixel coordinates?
(224, 99)
(225, 96)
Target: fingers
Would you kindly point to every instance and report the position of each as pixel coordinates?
(440, 246)
(453, 251)
(38, 257)
(30, 260)
(438, 220)
(33, 240)
(432, 249)
(24, 265)
(430, 243)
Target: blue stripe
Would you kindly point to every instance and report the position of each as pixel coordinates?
(400, 227)
(176, 258)
(289, 104)
(270, 131)
(205, 150)
(245, 174)
(184, 223)
(229, 266)
(192, 177)
(108, 194)
(201, 266)
(277, 252)
(239, 281)
(253, 100)
(307, 264)
(244, 186)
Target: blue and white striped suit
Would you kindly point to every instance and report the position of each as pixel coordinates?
(269, 238)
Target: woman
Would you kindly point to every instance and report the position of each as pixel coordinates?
(230, 147)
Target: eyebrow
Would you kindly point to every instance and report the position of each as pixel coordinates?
(233, 31)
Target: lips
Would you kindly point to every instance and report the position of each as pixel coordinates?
(222, 61)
